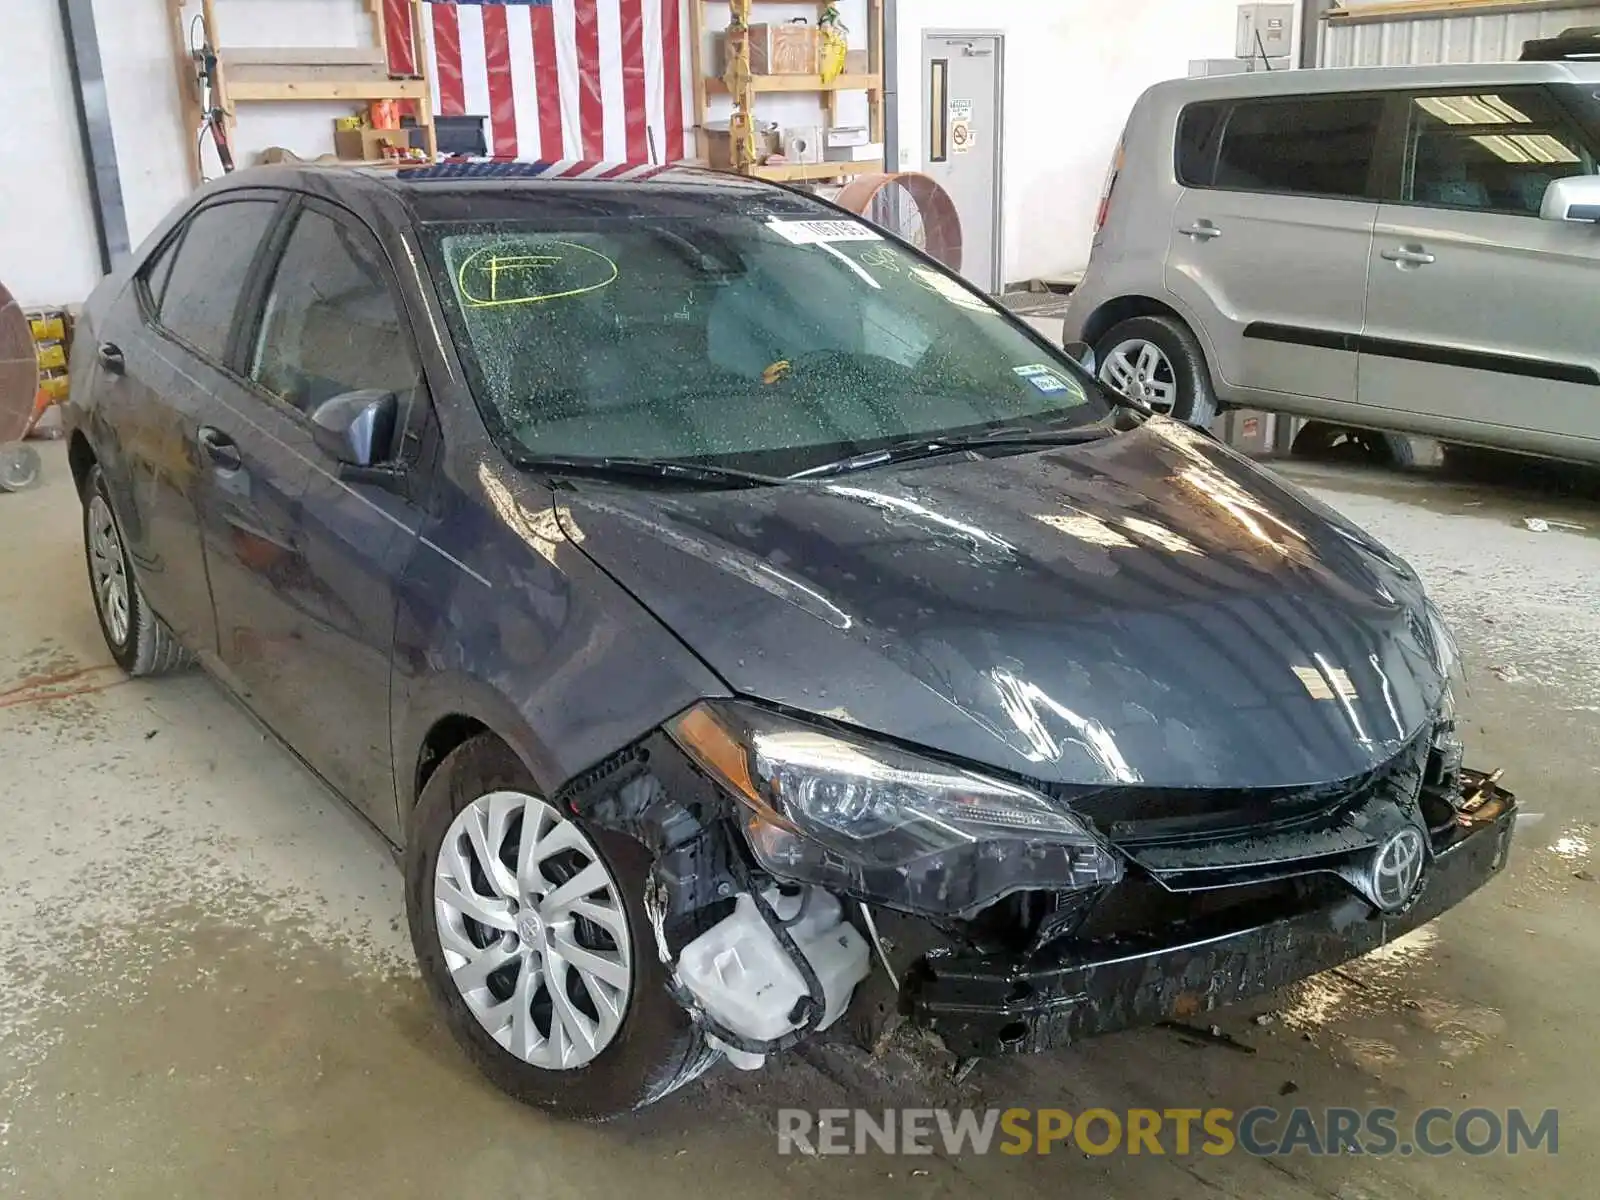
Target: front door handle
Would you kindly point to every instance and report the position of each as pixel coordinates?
(1409, 256)
(111, 358)
(1202, 231)
(221, 451)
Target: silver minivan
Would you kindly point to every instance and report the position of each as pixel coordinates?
(1411, 250)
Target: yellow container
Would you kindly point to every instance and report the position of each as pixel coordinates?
(52, 356)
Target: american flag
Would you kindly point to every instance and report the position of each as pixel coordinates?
(560, 80)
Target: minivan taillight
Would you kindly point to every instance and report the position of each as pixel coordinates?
(1111, 185)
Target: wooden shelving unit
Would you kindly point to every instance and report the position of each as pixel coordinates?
(357, 74)
(707, 85)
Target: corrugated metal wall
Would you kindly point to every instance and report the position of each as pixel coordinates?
(1494, 36)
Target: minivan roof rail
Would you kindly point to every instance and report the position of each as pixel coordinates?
(1578, 42)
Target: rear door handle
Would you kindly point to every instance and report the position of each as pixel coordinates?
(1409, 256)
(221, 451)
(111, 358)
(1202, 231)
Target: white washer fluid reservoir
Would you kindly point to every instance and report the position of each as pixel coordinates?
(740, 973)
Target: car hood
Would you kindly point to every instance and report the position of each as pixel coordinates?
(1149, 608)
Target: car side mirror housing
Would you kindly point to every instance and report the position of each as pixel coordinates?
(1083, 354)
(356, 429)
(1574, 199)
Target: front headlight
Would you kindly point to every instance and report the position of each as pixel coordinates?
(845, 813)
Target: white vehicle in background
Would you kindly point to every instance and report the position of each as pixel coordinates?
(1384, 251)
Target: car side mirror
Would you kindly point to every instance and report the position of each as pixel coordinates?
(1083, 354)
(1574, 199)
(356, 429)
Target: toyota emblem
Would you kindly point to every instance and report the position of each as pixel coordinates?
(1397, 869)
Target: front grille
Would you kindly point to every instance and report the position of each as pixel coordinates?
(1135, 816)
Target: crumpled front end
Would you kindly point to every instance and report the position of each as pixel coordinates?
(786, 892)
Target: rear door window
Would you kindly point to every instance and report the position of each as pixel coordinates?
(1303, 145)
(1490, 149)
(331, 323)
(199, 293)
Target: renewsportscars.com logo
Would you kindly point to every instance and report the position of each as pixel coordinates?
(1261, 1132)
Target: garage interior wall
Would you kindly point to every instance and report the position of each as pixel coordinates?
(1072, 73)
(1073, 70)
(47, 241)
(48, 252)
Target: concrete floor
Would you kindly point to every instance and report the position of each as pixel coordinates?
(205, 988)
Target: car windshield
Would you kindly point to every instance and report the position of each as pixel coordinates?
(767, 343)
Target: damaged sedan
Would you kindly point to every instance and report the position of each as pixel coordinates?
(744, 629)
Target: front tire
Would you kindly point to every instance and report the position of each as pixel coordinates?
(139, 641)
(1158, 360)
(530, 931)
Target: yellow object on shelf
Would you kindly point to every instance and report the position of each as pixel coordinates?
(835, 50)
(52, 356)
(48, 326)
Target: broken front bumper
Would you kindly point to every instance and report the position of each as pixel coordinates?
(987, 1006)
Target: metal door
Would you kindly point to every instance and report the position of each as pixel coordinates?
(961, 97)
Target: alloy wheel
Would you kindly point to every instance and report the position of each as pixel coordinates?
(533, 929)
(1141, 371)
(109, 570)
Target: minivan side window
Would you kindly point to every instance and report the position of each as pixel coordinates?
(331, 323)
(203, 285)
(1490, 149)
(1299, 145)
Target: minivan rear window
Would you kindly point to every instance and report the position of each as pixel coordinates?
(1301, 145)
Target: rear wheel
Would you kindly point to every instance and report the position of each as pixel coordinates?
(1158, 361)
(530, 930)
(1326, 442)
(138, 640)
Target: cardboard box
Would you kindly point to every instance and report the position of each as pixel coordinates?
(719, 144)
(846, 135)
(789, 49)
(866, 152)
(366, 145)
(802, 145)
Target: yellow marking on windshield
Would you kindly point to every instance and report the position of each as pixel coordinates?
(882, 257)
(513, 278)
(777, 372)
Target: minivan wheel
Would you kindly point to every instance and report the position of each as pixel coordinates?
(1326, 442)
(1157, 360)
(531, 934)
(140, 643)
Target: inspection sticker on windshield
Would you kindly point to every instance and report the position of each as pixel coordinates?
(815, 233)
(1043, 378)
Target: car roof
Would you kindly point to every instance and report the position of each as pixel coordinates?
(1373, 79)
(453, 189)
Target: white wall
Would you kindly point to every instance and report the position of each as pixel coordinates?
(1073, 70)
(48, 254)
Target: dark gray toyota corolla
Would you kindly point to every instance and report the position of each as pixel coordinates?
(741, 623)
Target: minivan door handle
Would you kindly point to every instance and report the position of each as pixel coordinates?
(221, 451)
(1202, 231)
(1409, 256)
(111, 358)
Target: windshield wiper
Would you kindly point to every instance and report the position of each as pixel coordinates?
(933, 447)
(646, 468)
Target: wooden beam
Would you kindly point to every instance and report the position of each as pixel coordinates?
(1395, 8)
(188, 92)
(329, 89)
(799, 83)
(788, 172)
(296, 56)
